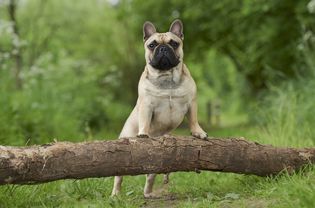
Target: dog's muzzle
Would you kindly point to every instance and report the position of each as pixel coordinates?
(164, 58)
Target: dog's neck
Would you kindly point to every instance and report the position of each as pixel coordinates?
(169, 79)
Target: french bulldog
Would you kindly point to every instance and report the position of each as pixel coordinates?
(166, 93)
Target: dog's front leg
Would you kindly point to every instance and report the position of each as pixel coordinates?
(145, 111)
(194, 126)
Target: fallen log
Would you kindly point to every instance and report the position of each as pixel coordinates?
(134, 156)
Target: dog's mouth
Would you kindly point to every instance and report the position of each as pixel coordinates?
(164, 58)
(164, 63)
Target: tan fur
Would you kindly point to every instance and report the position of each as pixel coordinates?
(164, 98)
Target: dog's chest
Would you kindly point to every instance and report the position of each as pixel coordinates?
(171, 105)
(169, 109)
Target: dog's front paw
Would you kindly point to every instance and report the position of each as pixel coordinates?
(200, 135)
(143, 136)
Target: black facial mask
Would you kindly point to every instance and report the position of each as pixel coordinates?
(164, 58)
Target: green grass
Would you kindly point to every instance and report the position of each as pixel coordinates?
(208, 189)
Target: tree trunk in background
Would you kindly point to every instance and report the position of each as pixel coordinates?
(16, 53)
(134, 156)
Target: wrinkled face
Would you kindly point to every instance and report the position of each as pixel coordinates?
(164, 51)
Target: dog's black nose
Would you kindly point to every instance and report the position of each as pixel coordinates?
(163, 48)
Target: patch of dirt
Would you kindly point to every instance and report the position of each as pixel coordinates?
(162, 198)
(168, 200)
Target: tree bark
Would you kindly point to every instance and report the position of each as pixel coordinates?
(134, 156)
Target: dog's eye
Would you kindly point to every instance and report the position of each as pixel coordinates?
(152, 45)
(174, 44)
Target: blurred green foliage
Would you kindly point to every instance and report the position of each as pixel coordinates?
(81, 61)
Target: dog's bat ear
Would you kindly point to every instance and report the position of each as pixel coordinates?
(177, 28)
(148, 30)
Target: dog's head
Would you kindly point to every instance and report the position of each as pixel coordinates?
(163, 51)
